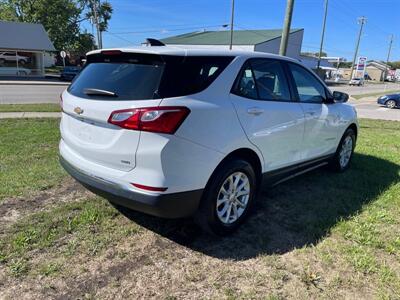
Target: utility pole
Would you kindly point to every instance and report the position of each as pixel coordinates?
(232, 16)
(388, 56)
(361, 21)
(96, 22)
(322, 35)
(286, 27)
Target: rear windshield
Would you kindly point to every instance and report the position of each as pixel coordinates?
(146, 76)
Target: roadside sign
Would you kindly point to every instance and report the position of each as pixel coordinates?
(361, 66)
(63, 54)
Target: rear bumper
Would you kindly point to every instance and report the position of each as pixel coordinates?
(175, 205)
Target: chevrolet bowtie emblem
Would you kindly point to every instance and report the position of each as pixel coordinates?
(78, 110)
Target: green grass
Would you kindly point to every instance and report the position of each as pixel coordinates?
(44, 107)
(377, 94)
(28, 156)
(91, 225)
(54, 69)
(321, 235)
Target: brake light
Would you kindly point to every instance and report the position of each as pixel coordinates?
(111, 52)
(163, 119)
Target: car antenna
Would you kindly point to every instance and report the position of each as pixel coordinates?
(154, 42)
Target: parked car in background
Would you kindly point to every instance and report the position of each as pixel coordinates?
(184, 132)
(356, 81)
(390, 101)
(69, 73)
(14, 71)
(13, 57)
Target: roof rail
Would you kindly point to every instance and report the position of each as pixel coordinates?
(153, 42)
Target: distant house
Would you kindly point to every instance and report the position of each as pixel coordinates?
(22, 48)
(376, 70)
(251, 40)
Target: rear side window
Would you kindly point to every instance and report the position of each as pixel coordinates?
(191, 74)
(270, 80)
(143, 76)
(262, 79)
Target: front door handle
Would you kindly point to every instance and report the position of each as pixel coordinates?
(255, 111)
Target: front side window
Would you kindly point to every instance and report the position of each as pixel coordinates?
(309, 88)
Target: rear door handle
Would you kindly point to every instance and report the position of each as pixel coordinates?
(255, 111)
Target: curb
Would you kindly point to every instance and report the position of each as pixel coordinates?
(34, 83)
(29, 115)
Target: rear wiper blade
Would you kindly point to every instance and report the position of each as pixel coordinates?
(98, 92)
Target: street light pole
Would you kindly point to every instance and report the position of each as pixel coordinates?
(232, 16)
(286, 27)
(322, 35)
(361, 21)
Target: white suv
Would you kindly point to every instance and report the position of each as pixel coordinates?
(175, 133)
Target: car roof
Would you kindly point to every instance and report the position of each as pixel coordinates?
(179, 51)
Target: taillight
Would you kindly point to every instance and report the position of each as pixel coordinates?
(163, 119)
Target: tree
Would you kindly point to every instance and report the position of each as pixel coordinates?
(93, 8)
(394, 64)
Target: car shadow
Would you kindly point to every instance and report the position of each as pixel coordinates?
(291, 215)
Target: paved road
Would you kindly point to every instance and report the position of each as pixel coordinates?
(369, 109)
(366, 89)
(22, 94)
(366, 108)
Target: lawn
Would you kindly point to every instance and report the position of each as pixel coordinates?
(321, 235)
(28, 156)
(43, 107)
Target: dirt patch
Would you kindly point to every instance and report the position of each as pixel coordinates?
(12, 209)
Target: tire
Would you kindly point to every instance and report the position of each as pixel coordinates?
(344, 153)
(2, 61)
(22, 62)
(390, 104)
(210, 216)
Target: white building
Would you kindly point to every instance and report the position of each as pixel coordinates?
(267, 40)
(251, 40)
(22, 48)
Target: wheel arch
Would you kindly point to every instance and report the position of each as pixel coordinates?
(246, 154)
(353, 126)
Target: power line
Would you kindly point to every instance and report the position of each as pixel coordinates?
(166, 29)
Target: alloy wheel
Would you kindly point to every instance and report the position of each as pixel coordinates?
(390, 104)
(346, 151)
(233, 198)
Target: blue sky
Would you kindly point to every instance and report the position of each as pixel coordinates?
(134, 20)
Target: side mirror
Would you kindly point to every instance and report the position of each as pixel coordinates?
(340, 97)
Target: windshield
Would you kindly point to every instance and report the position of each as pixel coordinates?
(146, 76)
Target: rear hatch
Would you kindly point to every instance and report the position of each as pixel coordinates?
(110, 81)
